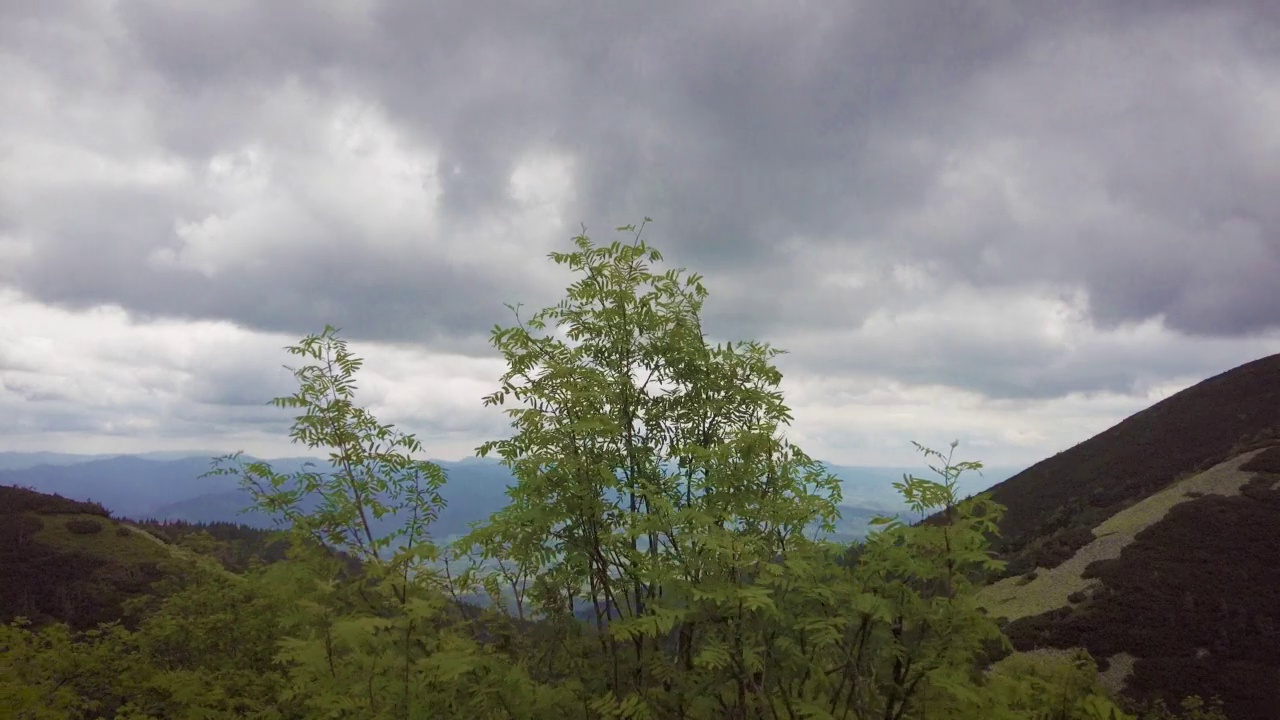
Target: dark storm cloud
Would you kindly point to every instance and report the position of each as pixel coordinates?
(1121, 148)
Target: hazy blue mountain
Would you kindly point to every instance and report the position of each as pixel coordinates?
(476, 489)
(872, 487)
(126, 485)
(158, 486)
(24, 460)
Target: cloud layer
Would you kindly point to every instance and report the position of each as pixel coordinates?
(1012, 222)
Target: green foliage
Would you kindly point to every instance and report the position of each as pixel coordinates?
(1053, 687)
(376, 475)
(83, 526)
(657, 497)
(1191, 708)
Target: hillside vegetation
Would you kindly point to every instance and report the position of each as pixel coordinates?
(1052, 504)
(69, 560)
(656, 496)
(1154, 546)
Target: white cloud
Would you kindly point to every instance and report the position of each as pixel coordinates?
(135, 386)
(345, 171)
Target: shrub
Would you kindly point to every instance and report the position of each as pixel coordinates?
(1078, 596)
(1265, 461)
(1061, 546)
(84, 526)
(19, 529)
(1099, 568)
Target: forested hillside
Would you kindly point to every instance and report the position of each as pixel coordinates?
(656, 496)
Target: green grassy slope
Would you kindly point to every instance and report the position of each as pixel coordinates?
(70, 561)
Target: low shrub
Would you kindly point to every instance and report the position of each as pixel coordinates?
(1266, 461)
(83, 526)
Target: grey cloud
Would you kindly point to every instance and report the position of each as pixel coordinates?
(1017, 367)
(737, 129)
(33, 390)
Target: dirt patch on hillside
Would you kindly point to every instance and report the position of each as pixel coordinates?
(1051, 588)
(1195, 598)
(1119, 669)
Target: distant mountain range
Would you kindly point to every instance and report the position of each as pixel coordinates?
(163, 487)
(22, 460)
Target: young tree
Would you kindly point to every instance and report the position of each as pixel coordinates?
(655, 487)
(377, 643)
(644, 457)
(655, 493)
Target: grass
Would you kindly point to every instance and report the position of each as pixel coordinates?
(1187, 433)
(1049, 588)
(105, 544)
(1186, 600)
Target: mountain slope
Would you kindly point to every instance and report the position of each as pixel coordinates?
(1190, 431)
(70, 561)
(1156, 546)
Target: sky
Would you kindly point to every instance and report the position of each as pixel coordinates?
(1011, 224)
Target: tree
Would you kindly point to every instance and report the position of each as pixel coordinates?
(644, 457)
(656, 496)
(370, 643)
(656, 487)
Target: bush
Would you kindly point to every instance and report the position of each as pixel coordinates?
(1265, 461)
(123, 531)
(84, 526)
(19, 529)
(1099, 568)
(1078, 596)
(1061, 546)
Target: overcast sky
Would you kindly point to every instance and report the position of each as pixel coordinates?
(1010, 223)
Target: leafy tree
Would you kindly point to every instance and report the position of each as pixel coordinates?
(377, 643)
(655, 559)
(655, 486)
(644, 457)
(374, 474)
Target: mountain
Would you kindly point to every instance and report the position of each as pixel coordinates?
(24, 460)
(166, 488)
(64, 560)
(1156, 546)
(476, 489)
(70, 561)
(872, 487)
(131, 485)
(127, 485)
